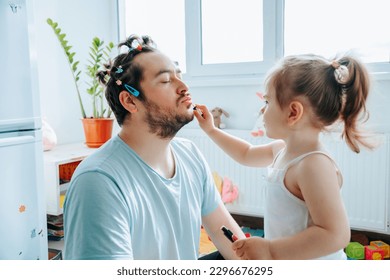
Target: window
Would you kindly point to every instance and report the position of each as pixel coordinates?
(200, 37)
(237, 39)
(162, 20)
(236, 36)
(362, 27)
(227, 37)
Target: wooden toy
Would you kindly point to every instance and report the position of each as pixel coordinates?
(355, 251)
(385, 247)
(359, 237)
(373, 253)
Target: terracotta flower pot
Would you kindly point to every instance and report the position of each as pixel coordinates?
(97, 131)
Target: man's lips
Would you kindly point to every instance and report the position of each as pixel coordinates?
(187, 100)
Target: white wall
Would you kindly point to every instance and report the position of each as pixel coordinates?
(82, 20)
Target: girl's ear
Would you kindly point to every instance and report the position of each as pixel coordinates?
(295, 112)
(126, 99)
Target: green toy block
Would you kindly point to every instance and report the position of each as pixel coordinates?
(355, 250)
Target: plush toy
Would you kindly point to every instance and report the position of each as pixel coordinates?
(225, 187)
(217, 113)
(49, 137)
(229, 191)
(258, 128)
(218, 182)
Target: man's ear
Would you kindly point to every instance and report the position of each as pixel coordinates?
(295, 112)
(126, 99)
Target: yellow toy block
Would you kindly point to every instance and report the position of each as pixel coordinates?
(385, 247)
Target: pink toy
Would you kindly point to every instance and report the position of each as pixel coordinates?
(258, 129)
(49, 137)
(229, 191)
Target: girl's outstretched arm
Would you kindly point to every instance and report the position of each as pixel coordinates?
(238, 149)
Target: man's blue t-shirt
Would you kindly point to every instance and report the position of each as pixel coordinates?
(118, 207)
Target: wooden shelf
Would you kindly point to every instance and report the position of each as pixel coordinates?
(59, 165)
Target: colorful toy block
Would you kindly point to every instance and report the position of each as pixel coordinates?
(355, 251)
(385, 247)
(253, 232)
(373, 253)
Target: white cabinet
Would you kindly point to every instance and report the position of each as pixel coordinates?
(59, 165)
(22, 213)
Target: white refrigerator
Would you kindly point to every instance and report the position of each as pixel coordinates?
(23, 229)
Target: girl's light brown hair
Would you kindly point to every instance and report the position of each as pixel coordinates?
(313, 77)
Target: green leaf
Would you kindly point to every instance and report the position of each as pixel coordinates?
(99, 53)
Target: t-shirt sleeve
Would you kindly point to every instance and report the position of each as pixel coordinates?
(96, 219)
(211, 196)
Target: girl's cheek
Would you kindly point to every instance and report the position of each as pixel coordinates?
(264, 113)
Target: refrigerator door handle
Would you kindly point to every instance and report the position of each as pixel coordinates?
(10, 141)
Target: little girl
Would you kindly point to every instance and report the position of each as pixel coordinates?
(304, 214)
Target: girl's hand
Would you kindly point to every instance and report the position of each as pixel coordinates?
(205, 118)
(252, 248)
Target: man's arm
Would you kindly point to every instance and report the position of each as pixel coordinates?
(213, 223)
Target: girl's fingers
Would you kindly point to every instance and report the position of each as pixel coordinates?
(199, 116)
(238, 244)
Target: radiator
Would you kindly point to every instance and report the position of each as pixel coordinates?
(366, 187)
(366, 180)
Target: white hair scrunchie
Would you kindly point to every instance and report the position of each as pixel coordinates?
(341, 73)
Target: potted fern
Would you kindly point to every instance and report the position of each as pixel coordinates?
(98, 125)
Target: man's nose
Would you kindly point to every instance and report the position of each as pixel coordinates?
(183, 88)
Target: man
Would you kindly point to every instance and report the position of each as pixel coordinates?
(145, 194)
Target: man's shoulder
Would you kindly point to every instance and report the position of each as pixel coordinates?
(184, 143)
(188, 151)
(103, 158)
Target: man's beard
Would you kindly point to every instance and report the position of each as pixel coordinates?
(164, 124)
